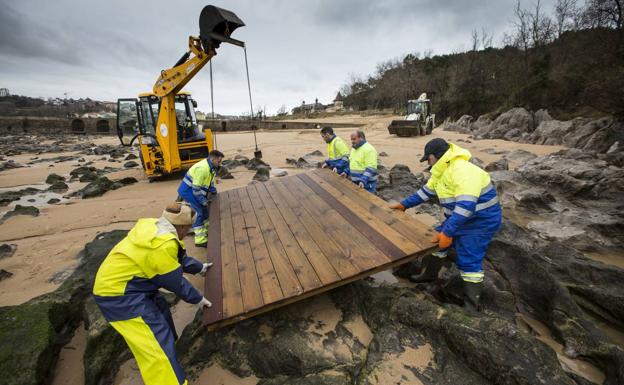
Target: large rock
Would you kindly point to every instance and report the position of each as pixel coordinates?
(462, 125)
(398, 182)
(255, 164)
(21, 210)
(511, 124)
(501, 164)
(101, 185)
(7, 197)
(7, 250)
(32, 334)
(262, 174)
(54, 178)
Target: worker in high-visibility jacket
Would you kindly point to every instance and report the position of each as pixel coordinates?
(472, 210)
(197, 189)
(127, 284)
(337, 151)
(362, 162)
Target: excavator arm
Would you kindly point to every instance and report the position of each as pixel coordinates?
(215, 26)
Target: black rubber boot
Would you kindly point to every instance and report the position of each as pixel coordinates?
(472, 295)
(430, 270)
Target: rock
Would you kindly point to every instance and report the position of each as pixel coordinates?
(262, 174)
(7, 250)
(130, 157)
(131, 164)
(232, 163)
(383, 154)
(84, 173)
(398, 182)
(242, 159)
(477, 162)
(255, 164)
(314, 153)
(224, 173)
(10, 196)
(535, 199)
(54, 178)
(32, 334)
(520, 156)
(540, 116)
(501, 164)
(53, 201)
(96, 188)
(10, 164)
(21, 210)
(58, 186)
(462, 125)
(278, 172)
(126, 181)
(5, 274)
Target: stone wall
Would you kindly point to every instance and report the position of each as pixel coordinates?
(246, 125)
(55, 126)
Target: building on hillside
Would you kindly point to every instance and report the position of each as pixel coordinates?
(337, 106)
(4, 92)
(309, 108)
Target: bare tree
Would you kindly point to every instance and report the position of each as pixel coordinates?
(565, 11)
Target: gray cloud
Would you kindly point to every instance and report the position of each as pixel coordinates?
(298, 50)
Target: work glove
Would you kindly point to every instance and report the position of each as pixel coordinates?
(443, 240)
(361, 185)
(205, 268)
(204, 303)
(397, 206)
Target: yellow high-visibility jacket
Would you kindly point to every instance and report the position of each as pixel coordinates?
(148, 258)
(363, 165)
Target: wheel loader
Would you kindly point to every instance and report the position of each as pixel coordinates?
(419, 120)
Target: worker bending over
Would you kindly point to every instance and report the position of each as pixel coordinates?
(337, 151)
(197, 189)
(362, 162)
(473, 214)
(127, 284)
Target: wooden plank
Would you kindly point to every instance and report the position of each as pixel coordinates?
(304, 270)
(334, 254)
(375, 237)
(355, 246)
(289, 283)
(232, 298)
(341, 194)
(269, 284)
(212, 284)
(323, 268)
(400, 221)
(288, 300)
(250, 287)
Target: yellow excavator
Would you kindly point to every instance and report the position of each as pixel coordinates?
(163, 121)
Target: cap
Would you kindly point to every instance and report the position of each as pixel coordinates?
(437, 147)
(179, 214)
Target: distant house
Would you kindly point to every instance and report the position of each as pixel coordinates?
(4, 92)
(337, 105)
(309, 108)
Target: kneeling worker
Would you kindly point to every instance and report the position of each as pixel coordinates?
(197, 189)
(473, 214)
(337, 151)
(127, 284)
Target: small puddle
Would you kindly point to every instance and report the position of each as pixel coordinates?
(572, 365)
(70, 367)
(608, 257)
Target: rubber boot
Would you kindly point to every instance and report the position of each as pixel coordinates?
(430, 270)
(472, 296)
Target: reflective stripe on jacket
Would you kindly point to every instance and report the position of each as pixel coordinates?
(363, 164)
(465, 192)
(150, 257)
(200, 180)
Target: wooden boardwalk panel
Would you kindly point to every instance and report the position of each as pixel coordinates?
(290, 238)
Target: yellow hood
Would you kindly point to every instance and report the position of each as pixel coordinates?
(454, 152)
(145, 234)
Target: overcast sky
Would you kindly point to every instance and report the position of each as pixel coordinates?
(298, 50)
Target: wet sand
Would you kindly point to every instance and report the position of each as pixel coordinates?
(47, 244)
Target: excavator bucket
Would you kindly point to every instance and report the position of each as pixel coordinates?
(216, 25)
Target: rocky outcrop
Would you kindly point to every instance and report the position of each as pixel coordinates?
(520, 125)
(101, 185)
(20, 210)
(32, 334)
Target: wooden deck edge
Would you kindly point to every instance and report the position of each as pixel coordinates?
(319, 290)
(212, 281)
